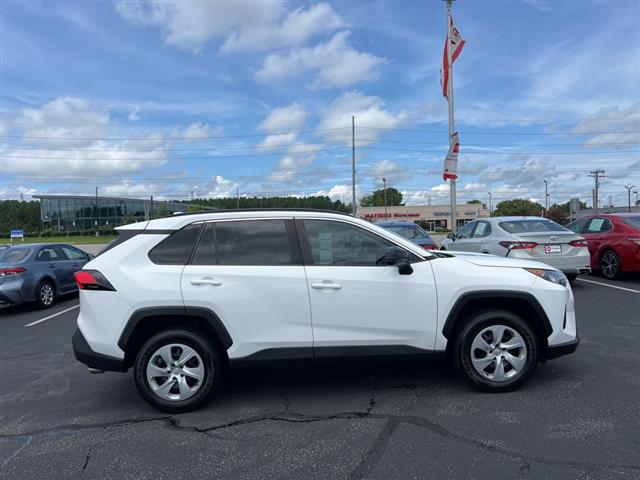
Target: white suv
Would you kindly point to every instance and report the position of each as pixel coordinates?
(181, 298)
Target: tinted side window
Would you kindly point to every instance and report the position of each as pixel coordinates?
(177, 247)
(337, 243)
(578, 226)
(252, 242)
(50, 254)
(73, 254)
(205, 253)
(465, 232)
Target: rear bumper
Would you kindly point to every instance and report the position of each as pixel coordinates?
(91, 359)
(555, 351)
(10, 297)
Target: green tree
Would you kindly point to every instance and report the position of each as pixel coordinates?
(558, 215)
(376, 199)
(16, 214)
(475, 201)
(517, 206)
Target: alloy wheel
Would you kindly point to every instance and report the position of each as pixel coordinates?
(609, 264)
(175, 372)
(46, 294)
(498, 353)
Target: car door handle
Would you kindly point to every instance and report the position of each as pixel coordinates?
(207, 281)
(329, 285)
(52, 265)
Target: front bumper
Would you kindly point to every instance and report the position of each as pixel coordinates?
(555, 351)
(91, 359)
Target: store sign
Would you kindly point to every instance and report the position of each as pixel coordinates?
(391, 215)
(17, 233)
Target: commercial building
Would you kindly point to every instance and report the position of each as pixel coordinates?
(435, 217)
(75, 213)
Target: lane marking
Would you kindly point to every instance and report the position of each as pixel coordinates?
(51, 316)
(610, 286)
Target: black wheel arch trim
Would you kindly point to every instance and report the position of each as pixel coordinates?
(465, 298)
(177, 311)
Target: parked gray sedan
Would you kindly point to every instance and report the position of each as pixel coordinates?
(533, 238)
(38, 272)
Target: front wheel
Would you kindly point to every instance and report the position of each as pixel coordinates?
(571, 277)
(175, 371)
(496, 351)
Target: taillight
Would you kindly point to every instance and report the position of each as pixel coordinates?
(519, 245)
(429, 247)
(579, 243)
(91, 280)
(5, 272)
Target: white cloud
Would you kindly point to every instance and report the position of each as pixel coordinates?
(134, 115)
(369, 111)
(283, 119)
(277, 140)
(338, 192)
(394, 173)
(623, 123)
(197, 131)
(244, 26)
(336, 63)
(66, 121)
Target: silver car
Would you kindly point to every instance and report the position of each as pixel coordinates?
(533, 238)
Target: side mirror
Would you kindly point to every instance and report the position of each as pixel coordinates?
(400, 258)
(451, 236)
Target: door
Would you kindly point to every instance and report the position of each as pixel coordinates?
(595, 233)
(464, 241)
(55, 263)
(357, 300)
(478, 241)
(250, 273)
(75, 260)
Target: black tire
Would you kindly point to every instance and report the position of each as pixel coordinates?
(442, 248)
(211, 362)
(480, 321)
(45, 295)
(571, 277)
(610, 266)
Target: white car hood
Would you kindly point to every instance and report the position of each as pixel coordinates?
(483, 260)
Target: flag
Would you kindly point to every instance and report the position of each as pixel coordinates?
(457, 43)
(451, 160)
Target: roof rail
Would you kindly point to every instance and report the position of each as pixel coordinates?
(235, 210)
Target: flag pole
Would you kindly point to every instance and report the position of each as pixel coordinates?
(452, 181)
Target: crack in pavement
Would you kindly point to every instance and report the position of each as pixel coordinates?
(86, 460)
(365, 464)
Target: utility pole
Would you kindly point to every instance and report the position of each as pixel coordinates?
(353, 165)
(97, 208)
(384, 182)
(490, 204)
(546, 198)
(597, 175)
(151, 209)
(629, 187)
(238, 198)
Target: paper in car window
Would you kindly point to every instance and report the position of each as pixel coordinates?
(596, 224)
(325, 247)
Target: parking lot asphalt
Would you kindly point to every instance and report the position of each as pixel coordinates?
(577, 418)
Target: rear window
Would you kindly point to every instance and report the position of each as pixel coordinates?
(526, 226)
(176, 248)
(14, 255)
(632, 221)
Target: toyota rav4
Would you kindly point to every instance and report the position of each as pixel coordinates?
(179, 299)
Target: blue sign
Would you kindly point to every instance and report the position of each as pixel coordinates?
(17, 233)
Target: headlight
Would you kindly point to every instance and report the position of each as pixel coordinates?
(550, 275)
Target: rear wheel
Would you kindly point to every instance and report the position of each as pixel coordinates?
(176, 370)
(45, 294)
(610, 266)
(496, 351)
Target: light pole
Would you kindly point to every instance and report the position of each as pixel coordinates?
(384, 183)
(629, 187)
(546, 197)
(490, 204)
(636, 192)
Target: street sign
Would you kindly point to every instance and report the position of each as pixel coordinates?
(17, 233)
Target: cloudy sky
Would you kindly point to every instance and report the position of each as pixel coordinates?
(174, 99)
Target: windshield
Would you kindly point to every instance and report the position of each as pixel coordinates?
(525, 226)
(11, 255)
(632, 221)
(410, 232)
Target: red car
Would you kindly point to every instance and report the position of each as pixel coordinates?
(614, 242)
